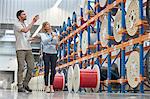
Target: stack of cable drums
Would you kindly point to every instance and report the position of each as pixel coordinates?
(133, 63)
(123, 39)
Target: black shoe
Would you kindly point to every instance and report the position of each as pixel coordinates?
(21, 89)
(27, 88)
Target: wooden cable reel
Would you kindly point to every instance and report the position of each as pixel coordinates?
(104, 36)
(85, 78)
(104, 32)
(132, 17)
(85, 40)
(148, 11)
(117, 27)
(133, 69)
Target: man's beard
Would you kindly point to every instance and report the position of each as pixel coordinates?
(25, 19)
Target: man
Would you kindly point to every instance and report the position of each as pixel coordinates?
(24, 50)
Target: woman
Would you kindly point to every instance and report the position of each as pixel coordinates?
(49, 40)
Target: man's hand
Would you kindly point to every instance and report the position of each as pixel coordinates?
(35, 18)
(28, 28)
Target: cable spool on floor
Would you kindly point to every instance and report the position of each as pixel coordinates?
(133, 69)
(37, 83)
(33, 84)
(70, 77)
(85, 78)
(88, 89)
(93, 39)
(40, 83)
(132, 17)
(148, 11)
(59, 81)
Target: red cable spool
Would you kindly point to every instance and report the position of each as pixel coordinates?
(88, 74)
(59, 81)
(85, 78)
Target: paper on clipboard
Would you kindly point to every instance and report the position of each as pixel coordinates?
(37, 31)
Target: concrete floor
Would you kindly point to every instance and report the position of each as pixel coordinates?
(7, 94)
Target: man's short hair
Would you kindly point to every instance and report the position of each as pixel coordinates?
(19, 13)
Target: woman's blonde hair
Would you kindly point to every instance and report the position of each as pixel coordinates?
(43, 26)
